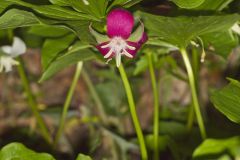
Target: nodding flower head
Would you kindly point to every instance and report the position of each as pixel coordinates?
(120, 40)
(8, 53)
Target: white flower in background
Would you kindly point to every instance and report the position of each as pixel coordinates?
(85, 2)
(8, 53)
(236, 28)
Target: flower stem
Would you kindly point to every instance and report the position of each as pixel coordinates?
(194, 93)
(67, 102)
(195, 67)
(156, 107)
(96, 98)
(32, 102)
(133, 112)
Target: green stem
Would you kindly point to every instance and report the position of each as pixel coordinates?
(32, 103)
(195, 67)
(156, 108)
(133, 112)
(194, 93)
(96, 98)
(190, 118)
(67, 102)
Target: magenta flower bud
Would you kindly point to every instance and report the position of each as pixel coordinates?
(119, 39)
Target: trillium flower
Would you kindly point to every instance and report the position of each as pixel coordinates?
(8, 53)
(119, 41)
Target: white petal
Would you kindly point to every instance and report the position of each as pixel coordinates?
(109, 53)
(7, 49)
(18, 47)
(6, 62)
(236, 28)
(127, 54)
(131, 47)
(105, 46)
(85, 2)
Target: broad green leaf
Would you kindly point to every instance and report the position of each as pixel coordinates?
(222, 42)
(227, 100)
(180, 30)
(81, 29)
(17, 18)
(52, 47)
(188, 3)
(54, 11)
(17, 151)
(61, 2)
(215, 147)
(48, 31)
(4, 5)
(83, 157)
(79, 52)
(214, 5)
(96, 8)
(124, 3)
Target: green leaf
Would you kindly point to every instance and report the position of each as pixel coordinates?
(48, 31)
(61, 2)
(52, 47)
(222, 42)
(180, 30)
(96, 8)
(227, 100)
(214, 5)
(4, 5)
(83, 157)
(17, 151)
(124, 3)
(81, 29)
(17, 18)
(79, 52)
(55, 11)
(188, 3)
(215, 147)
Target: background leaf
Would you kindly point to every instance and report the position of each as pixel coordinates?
(223, 42)
(17, 151)
(214, 5)
(78, 52)
(52, 47)
(180, 30)
(48, 31)
(83, 157)
(61, 2)
(188, 3)
(212, 148)
(17, 18)
(96, 8)
(54, 11)
(227, 100)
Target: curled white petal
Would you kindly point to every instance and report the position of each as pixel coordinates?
(18, 47)
(6, 63)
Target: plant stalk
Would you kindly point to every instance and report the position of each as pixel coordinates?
(32, 102)
(133, 112)
(96, 98)
(194, 93)
(156, 107)
(68, 102)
